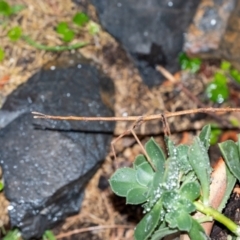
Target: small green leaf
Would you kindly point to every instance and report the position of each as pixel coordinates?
(1, 185)
(172, 150)
(225, 65)
(93, 28)
(65, 31)
(179, 219)
(235, 75)
(192, 64)
(156, 155)
(2, 54)
(139, 160)
(190, 190)
(62, 27)
(80, 19)
(231, 181)
(13, 235)
(17, 8)
(197, 232)
(204, 136)
(123, 180)
(186, 205)
(161, 233)
(15, 33)
(230, 152)
(144, 173)
(137, 195)
(215, 134)
(185, 166)
(49, 235)
(149, 222)
(68, 35)
(171, 174)
(217, 91)
(5, 9)
(199, 161)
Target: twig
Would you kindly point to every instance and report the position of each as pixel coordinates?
(88, 229)
(136, 118)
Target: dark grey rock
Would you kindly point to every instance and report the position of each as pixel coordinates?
(45, 168)
(151, 31)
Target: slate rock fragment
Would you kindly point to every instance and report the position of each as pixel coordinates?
(151, 31)
(45, 168)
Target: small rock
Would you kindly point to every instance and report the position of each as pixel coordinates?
(46, 165)
(151, 32)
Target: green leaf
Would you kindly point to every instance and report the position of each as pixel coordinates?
(225, 65)
(197, 232)
(137, 195)
(204, 136)
(17, 8)
(49, 235)
(185, 166)
(192, 64)
(235, 74)
(144, 173)
(123, 180)
(179, 219)
(171, 174)
(15, 33)
(217, 91)
(1, 185)
(172, 150)
(5, 9)
(231, 181)
(62, 27)
(80, 19)
(139, 160)
(2, 54)
(215, 134)
(200, 163)
(93, 28)
(186, 205)
(230, 152)
(161, 233)
(68, 35)
(13, 235)
(65, 31)
(156, 155)
(190, 190)
(149, 222)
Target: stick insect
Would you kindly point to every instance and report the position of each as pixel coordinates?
(137, 120)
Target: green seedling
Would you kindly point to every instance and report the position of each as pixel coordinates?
(93, 28)
(191, 64)
(49, 235)
(2, 54)
(80, 19)
(64, 30)
(13, 235)
(215, 134)
(5, 9)
(177, 187)
(217, 91)
(15, 33)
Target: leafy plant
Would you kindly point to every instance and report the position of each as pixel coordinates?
(2, 54)
(80, 19)
(15, 33)
(65, 31)
(217, 91)
(176, 187)
(187, 63)
(7, 10)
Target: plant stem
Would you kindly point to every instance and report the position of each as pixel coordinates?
(232, 226)
(53, 48)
